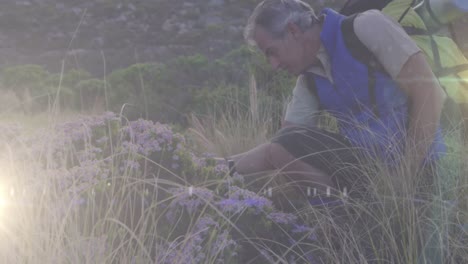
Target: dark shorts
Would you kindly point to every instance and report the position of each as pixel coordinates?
(327, 151)
(334, 155)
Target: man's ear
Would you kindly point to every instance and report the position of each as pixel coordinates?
(294, 29)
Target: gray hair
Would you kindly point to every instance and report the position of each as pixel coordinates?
(274, 16)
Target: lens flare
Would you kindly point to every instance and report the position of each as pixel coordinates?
(4, 201)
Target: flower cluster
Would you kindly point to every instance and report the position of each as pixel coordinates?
(191, 198)
(85, 155)
(147, 137)
(197, 247)
(240, 199)
(282, 218)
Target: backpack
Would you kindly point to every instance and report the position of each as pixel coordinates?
(448, 63)
(357, 6)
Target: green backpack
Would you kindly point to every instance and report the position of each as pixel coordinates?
(447, 61)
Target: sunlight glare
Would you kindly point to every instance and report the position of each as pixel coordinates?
(4, 200)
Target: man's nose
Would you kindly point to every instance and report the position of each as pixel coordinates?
(274, 62)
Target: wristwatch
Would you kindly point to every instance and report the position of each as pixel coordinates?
(232, 169)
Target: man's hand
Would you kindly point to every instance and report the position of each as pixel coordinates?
(285, 123)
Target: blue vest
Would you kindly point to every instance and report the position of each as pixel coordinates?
(349, 100)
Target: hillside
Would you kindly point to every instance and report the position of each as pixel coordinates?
(120, 32)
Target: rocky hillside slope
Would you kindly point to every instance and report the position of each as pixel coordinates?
(102, 35)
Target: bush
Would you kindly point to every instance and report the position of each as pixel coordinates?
(137, 86)
(90, 95)
(9, 102)
(164, 92)
(28, 84)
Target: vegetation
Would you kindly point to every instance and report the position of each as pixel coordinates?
(104, 189)
(121, 187)
(163, 92)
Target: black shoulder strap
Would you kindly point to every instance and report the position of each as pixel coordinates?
(361, 53)
(407, 10)
(357, 49)
(435, 54)
(412, 31)
(358, 6)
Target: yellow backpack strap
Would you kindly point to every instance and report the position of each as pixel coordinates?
(452, 70)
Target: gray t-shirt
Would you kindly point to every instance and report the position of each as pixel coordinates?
(383, 36)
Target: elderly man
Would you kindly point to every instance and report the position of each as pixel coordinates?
(365, 71)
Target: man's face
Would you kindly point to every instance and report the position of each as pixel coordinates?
(288, 53)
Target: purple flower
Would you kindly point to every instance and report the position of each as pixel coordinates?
(208, 155)
(267, 256)
(282, 218)
(240, 199)
(232, 206)
(93, 247)
(221, 169)
(223, 241)
(258, 202)
(149, 137)
(193, 247)
(198, 162)
(77, 201)
(130, 165)
(236, 178)
(191, 201)
(305, 229)
(205, 222)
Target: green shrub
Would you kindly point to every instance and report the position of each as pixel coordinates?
(24, 76)
(28, 82)
(135, 85)
(90, 94)
(165, 92)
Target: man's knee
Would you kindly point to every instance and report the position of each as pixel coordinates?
(277, 156)
(296, 169)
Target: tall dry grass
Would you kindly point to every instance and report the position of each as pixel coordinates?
(392, 225)
(109, 221)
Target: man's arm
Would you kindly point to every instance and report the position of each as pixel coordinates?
(406, 64)
(302, 108)
(286, 123)
(426, 99)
